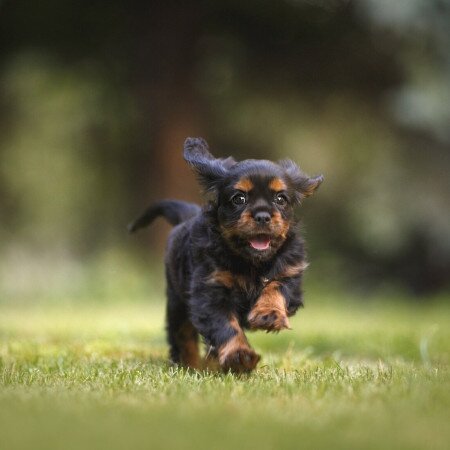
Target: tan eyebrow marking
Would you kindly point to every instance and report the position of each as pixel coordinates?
(244, 184)
(277, 184)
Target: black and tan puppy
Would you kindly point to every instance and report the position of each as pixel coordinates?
(238, 262)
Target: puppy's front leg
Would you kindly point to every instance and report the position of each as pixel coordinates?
(214, 320)
(236, 354)
(270, 310)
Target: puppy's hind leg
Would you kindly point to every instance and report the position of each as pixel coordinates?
(181, 334)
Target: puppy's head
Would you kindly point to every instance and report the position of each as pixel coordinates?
(254, 199)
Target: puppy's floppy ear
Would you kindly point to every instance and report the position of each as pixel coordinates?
(209, 170)
(304, 186)
(229, 162)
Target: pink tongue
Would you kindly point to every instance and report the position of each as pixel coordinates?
(260, 243)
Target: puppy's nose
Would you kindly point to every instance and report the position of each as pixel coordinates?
(262, 218)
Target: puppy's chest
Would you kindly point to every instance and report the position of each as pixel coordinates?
(245, 288)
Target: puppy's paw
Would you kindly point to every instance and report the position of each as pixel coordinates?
(263, 318)
(239, 360)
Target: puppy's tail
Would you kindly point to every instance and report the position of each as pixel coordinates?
(174, 211)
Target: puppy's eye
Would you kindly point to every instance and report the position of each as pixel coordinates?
(280, 199)
(239, 199)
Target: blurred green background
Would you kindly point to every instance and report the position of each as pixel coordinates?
(96, 99)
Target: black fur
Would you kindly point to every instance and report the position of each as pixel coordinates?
(215, 276)
(174, 211)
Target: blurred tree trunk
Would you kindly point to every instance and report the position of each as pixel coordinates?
(164, 69)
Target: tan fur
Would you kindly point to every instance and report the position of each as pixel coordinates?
(236, 342)
(312, 187)
(244, 184)
(245, 225)
(229, 280)
(236, 354)
(280, 225)
(271, 303)
(277, 185)
(223, 277)
(188, 342)
(245, 221)
(292, 271)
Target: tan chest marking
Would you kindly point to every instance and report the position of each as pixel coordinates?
(293, 270)
(229, 280)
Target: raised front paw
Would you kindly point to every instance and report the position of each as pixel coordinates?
(266, 318)
(269, 312)
(238, 359)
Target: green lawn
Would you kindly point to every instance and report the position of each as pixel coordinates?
(348, 376)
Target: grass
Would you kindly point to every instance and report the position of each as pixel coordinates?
(348, 376)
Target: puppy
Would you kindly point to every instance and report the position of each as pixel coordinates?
(237, 263)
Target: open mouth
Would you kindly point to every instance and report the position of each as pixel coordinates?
(260, 242)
